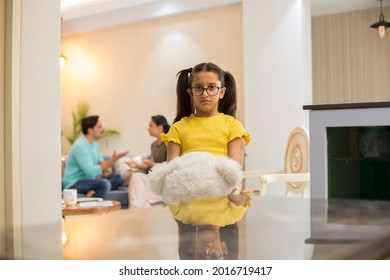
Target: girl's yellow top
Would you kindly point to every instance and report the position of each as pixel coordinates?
(209, 135)
(206, 134)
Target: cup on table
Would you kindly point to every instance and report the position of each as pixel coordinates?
(70, 196)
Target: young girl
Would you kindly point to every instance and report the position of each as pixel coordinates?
(205, 121)
(139, 194)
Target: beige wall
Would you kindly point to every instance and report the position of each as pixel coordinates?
(350, 62)
(127, 73)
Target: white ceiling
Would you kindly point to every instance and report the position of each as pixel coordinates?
(326, 7)
(76, 8)
(80, 8)
(86, 15)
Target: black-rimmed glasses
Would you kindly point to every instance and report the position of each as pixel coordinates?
(210, 90)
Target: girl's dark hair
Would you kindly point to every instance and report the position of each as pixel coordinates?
(185, 107)
(161, 120)
(88, 122)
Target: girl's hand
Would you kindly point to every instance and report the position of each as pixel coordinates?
(234, 191)
(237, 199)
(237, 190)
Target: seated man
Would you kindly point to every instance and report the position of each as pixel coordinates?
(86, 169)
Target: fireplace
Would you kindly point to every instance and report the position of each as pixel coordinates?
(350, 171)
(358, 162)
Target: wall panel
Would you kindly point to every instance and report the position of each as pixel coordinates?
(350, 62)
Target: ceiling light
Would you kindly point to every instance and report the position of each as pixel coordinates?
(381, 24)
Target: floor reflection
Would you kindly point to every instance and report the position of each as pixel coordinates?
(273, 228)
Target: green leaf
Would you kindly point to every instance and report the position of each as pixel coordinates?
(70, 140)
(82, 111)
(111, 133)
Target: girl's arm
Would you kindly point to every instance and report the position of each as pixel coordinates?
(173, 150)
(236, 151)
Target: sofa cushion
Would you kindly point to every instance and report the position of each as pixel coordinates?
(121, 194)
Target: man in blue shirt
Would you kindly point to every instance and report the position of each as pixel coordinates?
(86, 169)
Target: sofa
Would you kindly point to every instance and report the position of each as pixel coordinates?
(122, 193)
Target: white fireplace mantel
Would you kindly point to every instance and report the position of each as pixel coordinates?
(337, 115)
(322, 117)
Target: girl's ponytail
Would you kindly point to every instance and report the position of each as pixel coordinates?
(228, 104)
(184, 103)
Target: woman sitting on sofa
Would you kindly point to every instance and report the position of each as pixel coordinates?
(139, 194)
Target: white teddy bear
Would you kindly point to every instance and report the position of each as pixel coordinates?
(195, 175)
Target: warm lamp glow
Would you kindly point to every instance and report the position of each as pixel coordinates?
(64, 238)
(62, 61)
(382, 31)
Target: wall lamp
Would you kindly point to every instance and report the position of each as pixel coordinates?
(62, 61)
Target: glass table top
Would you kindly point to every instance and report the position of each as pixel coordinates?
(273, 228)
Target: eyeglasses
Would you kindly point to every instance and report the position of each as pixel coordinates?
(213, 253)
(210, 90)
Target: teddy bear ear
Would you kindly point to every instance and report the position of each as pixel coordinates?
(229, 170)
(157, 176)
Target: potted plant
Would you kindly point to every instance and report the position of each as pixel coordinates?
(82, 111)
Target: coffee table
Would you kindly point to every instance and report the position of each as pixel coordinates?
(78, 210)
